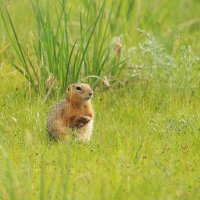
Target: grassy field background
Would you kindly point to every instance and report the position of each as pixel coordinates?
(146, 139)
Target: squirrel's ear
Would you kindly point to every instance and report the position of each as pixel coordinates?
(70, 86)
(69, 90)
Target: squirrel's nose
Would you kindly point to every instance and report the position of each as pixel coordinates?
(91, 93)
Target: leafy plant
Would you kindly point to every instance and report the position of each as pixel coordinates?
(60, 55)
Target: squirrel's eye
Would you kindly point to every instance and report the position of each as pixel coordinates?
(78, 88)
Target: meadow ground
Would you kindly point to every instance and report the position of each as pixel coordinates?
(145, 146)
(146, 138)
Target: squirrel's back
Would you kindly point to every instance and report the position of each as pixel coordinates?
(55, 114)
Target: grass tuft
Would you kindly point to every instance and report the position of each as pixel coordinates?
(56, 55)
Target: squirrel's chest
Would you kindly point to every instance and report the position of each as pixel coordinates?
(79, 110)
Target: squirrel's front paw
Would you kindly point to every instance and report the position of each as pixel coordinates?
(86, 119)
(82, 121)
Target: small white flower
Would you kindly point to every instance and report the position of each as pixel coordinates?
(38, 114)
(14, 119)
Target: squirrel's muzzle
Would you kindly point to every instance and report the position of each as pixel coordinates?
(88, 96)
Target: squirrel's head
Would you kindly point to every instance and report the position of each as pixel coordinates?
(79, 92)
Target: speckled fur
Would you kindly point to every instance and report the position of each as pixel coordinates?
(56, 114)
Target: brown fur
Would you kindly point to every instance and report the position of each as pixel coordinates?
(74, 112)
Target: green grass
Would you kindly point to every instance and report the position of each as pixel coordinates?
(74, 44)
(59, 54)
(146, 138)
(145, 145)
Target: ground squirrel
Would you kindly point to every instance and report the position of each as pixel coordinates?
(75, 112)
